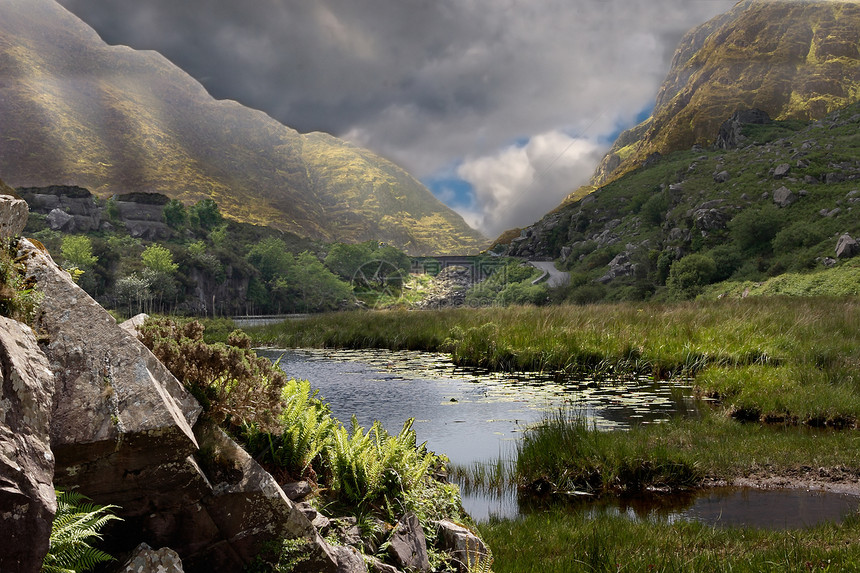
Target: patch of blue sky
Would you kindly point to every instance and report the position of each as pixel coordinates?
(450, 189)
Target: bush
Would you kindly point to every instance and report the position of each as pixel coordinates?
(689, 275)
(234, 385)
(754, 229)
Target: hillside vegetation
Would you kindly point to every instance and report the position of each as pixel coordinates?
(779, 203)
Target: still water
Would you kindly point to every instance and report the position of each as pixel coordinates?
(475, 416)
(469, 415)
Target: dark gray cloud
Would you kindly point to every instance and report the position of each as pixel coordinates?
(432, 84)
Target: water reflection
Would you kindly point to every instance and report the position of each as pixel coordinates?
(470, 415)
(719, 507)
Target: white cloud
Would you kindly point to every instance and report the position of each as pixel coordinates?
(519, 184)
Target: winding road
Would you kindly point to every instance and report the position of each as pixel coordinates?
(556, 277)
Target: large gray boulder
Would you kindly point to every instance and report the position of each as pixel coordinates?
(122, 433)
(27, 500)
(13, 216)
(117, 409)
(846, 247)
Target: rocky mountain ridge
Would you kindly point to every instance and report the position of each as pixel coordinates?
(792, 60)
(77, 112)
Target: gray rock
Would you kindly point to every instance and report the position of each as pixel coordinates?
(708, 220)
(827, 261)
(722, 176)
(134, 324)
(376, 566)
(846, 247)
(345, 529)
(59, 220)
(833, 178)
(27, 500)
(241, 509)
(145, 559)
(318, 520)
(13, 216)
(467, 548)
(730, 135)
(810, 179)
(781, 171)
(407, 546)
(117, 408)
(831, 213)
(349, 560)
(620, 266)
(298, 490)
(784, 197)
(76, 202)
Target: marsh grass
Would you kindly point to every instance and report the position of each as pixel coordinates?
(565, 542)
(783, 359)
(564, 454)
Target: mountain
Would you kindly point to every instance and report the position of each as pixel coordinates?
(75, 111)
(750, 164)
(791, 59)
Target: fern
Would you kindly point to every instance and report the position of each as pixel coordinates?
(78, 522)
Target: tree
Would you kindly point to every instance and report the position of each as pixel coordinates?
(159, 259)
(205, 214)
(175, 214)
(77, 251)
(689, 275)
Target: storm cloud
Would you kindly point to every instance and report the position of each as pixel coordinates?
(474, 88)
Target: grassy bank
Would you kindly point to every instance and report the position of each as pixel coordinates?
(562, 542)
(773, 359)
(563, 454)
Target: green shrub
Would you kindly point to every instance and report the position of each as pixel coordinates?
(688, 276)
(232, 383)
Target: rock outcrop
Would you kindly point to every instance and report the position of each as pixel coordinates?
(121, 430)
(70, 209)
(27, 500)
(13, 215)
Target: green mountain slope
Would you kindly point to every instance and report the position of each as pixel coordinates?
(780, 203)
(794, 60)
(75, 111)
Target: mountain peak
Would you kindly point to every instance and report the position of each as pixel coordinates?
(793, 60)
(75, 111)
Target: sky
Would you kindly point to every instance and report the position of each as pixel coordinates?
(500, 107)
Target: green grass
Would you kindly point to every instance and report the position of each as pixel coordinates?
(564, 454)
(564, 542)
(788, 359)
